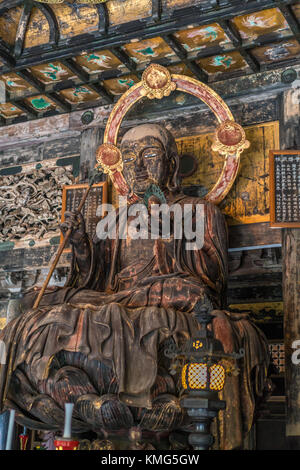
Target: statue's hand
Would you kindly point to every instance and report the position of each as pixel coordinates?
(75, 222)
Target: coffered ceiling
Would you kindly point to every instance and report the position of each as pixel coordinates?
(58, 58)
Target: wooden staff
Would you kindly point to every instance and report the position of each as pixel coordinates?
(63, 244)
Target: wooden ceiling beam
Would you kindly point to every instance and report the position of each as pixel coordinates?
(76, 69)
(66, 107)
(251, 61)
(52, 21)
(31, 114)
(182, 54)
(156, 11)
(175, 46)
(103, 17)
(33, 81)
(125, 59)
(108, 97)
(291, 20)
(231, 32)
(22, 28)
(237, 42)
(6, 57)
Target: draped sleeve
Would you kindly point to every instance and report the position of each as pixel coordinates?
(210, 262)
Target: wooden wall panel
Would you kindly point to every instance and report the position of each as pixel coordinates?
(248, 200)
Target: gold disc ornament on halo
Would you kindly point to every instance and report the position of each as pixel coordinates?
(109, 157)
(230, 138)
(157, 82)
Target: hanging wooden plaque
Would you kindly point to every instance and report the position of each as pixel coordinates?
(285, 188)
(72, 196)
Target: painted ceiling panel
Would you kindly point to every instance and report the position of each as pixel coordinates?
(9, 22)
(9, 111)
(180, 69)
(75, 19)
(260, 23)
(73, 60)
(38, 31)
(128, 10)
(40, 103)
(79, 94)
(173, 4)
(147, 50)
(118, 86)
(227, 62)
(99, 61)
(51, 72)
(195, 39)
(275, 52)
(16, 85)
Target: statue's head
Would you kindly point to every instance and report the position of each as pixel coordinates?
(150, 156)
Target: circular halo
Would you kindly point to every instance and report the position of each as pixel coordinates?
(233, 133)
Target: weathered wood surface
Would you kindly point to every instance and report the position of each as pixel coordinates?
(63, 147)
(258, 289)
(90, 141)
(290, 120)
(291, 299)
(30, 259)
(261, 312)
(289, 137)
(253, 235)
(248, 199)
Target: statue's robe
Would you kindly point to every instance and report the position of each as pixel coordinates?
(135, 295)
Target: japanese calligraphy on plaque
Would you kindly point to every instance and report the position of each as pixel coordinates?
(285, 188)
(72, 196)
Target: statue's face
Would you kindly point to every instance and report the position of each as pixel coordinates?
(144, 163)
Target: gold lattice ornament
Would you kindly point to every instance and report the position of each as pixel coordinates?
(157, 82)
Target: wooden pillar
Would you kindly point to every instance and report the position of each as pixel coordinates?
(90, 141)
(290, 139)
(291, 305)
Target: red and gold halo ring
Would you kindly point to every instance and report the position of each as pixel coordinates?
(162, 83)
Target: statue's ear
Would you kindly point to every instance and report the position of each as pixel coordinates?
(173, 183)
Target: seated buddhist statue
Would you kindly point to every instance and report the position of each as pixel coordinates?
(99, 341)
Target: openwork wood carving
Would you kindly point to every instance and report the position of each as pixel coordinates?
(30, 203)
